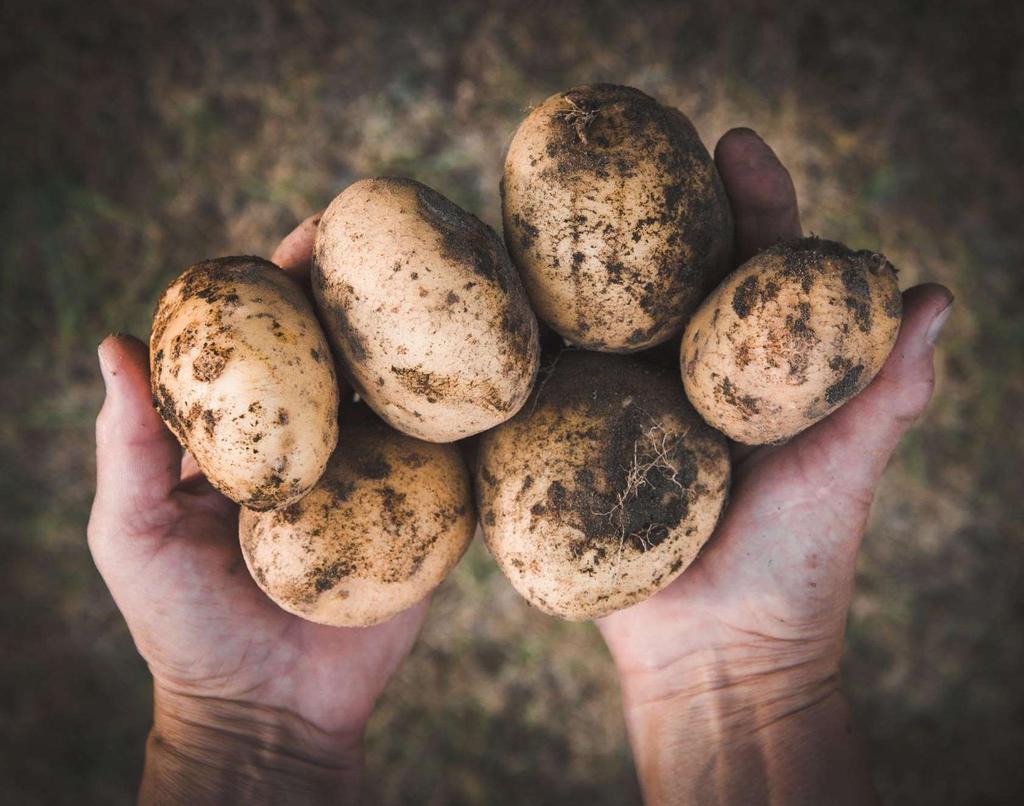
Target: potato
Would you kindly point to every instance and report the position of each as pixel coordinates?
(615, 215)
(421, 301)
(387, 522)
(603, 489)
(242, 374)
(788, 337)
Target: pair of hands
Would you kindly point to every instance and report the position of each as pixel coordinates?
(726, 674)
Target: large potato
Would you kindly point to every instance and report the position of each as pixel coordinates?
(390, 518)
(603, 489)
(421, 301)
(788, 337)
(615, 215)
(242, 374)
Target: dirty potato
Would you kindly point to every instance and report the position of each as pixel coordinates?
(603, 489)
(390, 518)
(788, 337)
(242, 374)
(422, 303)
(615, 215)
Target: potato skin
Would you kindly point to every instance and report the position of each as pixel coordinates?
(421, 301)
(385, 525)
(603, 489)
(615, 215)
(242, 374)
(789, 337)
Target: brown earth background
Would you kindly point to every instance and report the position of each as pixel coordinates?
(141, 137)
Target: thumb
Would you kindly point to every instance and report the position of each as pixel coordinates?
(138, 461)
(870, 425)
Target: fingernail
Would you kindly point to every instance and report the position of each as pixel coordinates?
(935, 328)
(103, 365)
(105, 369)
(748, 130)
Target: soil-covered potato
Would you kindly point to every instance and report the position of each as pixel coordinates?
(615, 215)
(603, 489)
(385, 525)
(788, 337)
(421, 301)
(242, 374)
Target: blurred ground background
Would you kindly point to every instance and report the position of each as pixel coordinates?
(141, 137)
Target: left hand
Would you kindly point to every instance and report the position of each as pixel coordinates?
(233, 673)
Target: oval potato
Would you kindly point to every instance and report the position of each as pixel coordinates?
(615, 215)
(242, 374)
(603, 489)
(789, 337)
(385, 525)
(421, 301)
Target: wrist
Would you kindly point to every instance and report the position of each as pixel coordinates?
(744, 730)
(204, 749)
(738, 687)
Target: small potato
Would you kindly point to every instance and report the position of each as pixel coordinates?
(387, 522)
(421, 301)
(603, 489)
(615, 215)
(242, 374)
(789, 337)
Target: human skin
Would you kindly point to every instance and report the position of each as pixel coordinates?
(729, 675)
(251, 704)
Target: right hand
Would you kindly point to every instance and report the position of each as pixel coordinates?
(744, 647)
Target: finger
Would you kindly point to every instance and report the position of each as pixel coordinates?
(194, 483)
(138, 461)
(295, 253)
(740, 453)
(189, 467)
(760, 191)
(855, 442)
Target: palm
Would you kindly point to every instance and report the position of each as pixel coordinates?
(771, 572)
(204, 627)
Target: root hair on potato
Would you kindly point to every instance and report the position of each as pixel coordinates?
(606, 492)
(547, 372)
(651, 452)
(579, 117)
